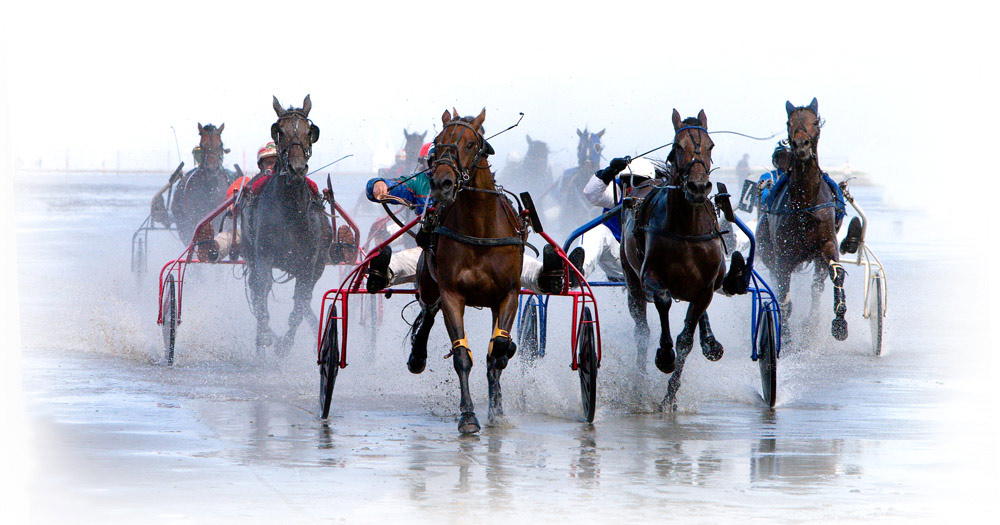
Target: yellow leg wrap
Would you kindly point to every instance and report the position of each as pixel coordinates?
(460, 343)
(498, 332)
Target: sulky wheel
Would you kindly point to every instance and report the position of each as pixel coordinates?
(527, 330)
(329, 361)
(767, 353)
(169, 318)
(876, 311)
(586, 355)
(139, 256)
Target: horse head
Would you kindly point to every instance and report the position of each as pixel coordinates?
(457, 150)
(538, 150)
(803, 129)
(588, 150)
(414, 141)
(692, 156)
(294, 134)
(211, 146)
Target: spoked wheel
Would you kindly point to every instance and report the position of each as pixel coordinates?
(527, 330)
(876, 311)
(169, 318)
(586, 356)
(329, 361)
(767, 354)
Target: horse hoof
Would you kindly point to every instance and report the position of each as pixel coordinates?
(839, 329)
(416, 364)
(665, 360)
(712, 350)
(500, 362)
(283, 346)
(265, 339)
(468, 424)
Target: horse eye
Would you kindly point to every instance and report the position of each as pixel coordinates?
(469, 145)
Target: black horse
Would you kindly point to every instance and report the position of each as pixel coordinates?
(531, 174)
(202, 189)
(285, 226)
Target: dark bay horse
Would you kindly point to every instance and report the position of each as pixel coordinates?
(532, 173)
(202, 189)
(573, 207)
(475, 259)
(672, 250)
(802, 228)
(411, 150)
(285, 226)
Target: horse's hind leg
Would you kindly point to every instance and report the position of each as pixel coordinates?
(502, 348)
(453, 308)
(260, 287)
(820, 274)
(637, 307)
(300, 306)
(839, 326)
(665, 359)
(710, 347)
(783, 278)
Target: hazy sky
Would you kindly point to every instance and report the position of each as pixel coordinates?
(101, 80)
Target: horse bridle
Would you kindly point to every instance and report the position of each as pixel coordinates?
(448, 154)
(591, 150)
(283, 151)
(682, 173)
(814, 140)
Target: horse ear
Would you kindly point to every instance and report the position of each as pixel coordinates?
(306, 105)
(277, 106)
(477, 122)
(789, 108)
(579, 133)
(601, 133)
(703, 119)
(422, 135)
(406, 133)
(201, 130)
(454, 112)
(445, 117)
(814, 106)
(528, 138)
(274, 132)
(222, 127)
(676, 118)
(313, 133)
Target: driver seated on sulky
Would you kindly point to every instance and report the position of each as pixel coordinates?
(601, 246)
(388, 268)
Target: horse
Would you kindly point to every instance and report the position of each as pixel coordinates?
(474, 258)
(285, 226)
(573, 208)
(672, 250)
(203, 188)
(532, 173)
(411, 150)
(802, 227)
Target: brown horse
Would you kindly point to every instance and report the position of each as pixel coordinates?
(474, 259)
(202, 189)
(672, 250)
(285, 226)
(803, 228)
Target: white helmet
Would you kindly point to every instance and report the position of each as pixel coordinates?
(638, 169)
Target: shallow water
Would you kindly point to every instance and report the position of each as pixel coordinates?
(226, 435)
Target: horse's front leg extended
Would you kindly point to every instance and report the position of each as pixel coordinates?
(837, 274)
(502, 348)
(453, 308)
(260, 286)
(685, 340)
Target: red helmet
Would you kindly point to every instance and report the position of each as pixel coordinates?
(425, 150)
(267, 150)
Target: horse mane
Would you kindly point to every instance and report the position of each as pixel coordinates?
(208, 128)
(691, 121)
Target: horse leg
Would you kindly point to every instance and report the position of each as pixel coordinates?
(665, 359)
(502, 348)
(685, 340)
(710, 347)
(260, 288)
(453, 308)
(637, 307)
(820, 273)
(783, 278)
(418, 340)
(300, 306)
(837, 274)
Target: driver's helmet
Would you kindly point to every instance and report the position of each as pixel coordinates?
(637, 171)
(267, 150)
(780, 149)
(426, 152)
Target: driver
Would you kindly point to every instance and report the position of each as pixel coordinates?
(388, 268)
(226, 242)
(601, 245)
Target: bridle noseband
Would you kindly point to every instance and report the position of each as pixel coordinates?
(448, 154)
(284, 149)
(813, 140)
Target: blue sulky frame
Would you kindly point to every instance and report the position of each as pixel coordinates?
(763, 301)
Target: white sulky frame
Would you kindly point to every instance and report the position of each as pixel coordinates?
(868, 259)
